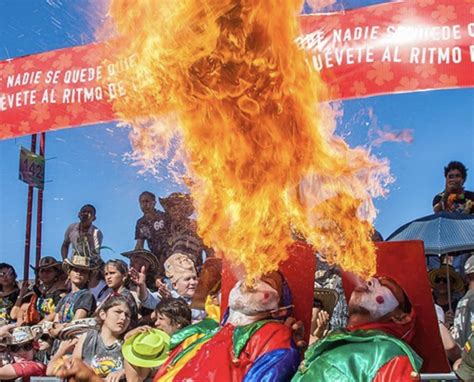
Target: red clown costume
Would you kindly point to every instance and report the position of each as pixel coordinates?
(261, 350)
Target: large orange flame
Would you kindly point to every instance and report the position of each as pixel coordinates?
(260, 152)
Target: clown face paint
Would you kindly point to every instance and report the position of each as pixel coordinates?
(251, 300)
(377, 299)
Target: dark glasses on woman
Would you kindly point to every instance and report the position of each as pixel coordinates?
(439, 280)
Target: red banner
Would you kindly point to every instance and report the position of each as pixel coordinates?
(382, 49)
(392, 47)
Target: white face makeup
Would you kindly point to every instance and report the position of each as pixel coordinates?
(260, 297)
(377, 299)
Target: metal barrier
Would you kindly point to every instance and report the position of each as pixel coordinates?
(439, 377)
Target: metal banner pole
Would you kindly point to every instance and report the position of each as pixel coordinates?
(26, 264)
(39, 215)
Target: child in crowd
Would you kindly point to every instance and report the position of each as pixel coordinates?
(102, 349)
(80, 302)
(142, 272)
(152, 228)
(43, 353)
(117, 280)
(9, 290)
(170, 316)
(18, 361)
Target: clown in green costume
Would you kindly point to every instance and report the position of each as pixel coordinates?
(374, 347)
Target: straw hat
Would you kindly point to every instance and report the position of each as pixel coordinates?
(47, 262)
(146, 255)
(76, 328)
(178, 199)
(457, 284)
(82, 262)
(149, 349)
(21, 335)
(43, 328)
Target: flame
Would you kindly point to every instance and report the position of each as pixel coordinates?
(264, 163)
(386, 135)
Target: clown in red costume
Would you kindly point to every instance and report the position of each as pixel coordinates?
(250, 346)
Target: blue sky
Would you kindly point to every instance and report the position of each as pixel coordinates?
(85, 165)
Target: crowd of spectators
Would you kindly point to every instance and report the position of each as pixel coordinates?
(119, 317)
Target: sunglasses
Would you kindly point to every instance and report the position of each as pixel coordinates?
(24, 347)
(4, 274)
(439, 280)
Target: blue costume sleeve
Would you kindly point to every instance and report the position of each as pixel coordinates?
(275, 366)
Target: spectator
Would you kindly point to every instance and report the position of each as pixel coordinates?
(464, 367)
(117, 279)
(170, 316)
(464, 317)
(102, 350)
(152, 227)
(452, 349)
(446, 299)
(183, 235)
(86, 238)
(374, 347)
(182, 275)
(43, 298)
(143, 261)
(454, 198)
(20, 352)
(43, 353)
(80, 302)
(9, 290)
(97, 284)
(76, 370)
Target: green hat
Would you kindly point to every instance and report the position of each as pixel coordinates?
(149, 349)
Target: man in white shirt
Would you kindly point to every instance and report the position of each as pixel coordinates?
(86, 238)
